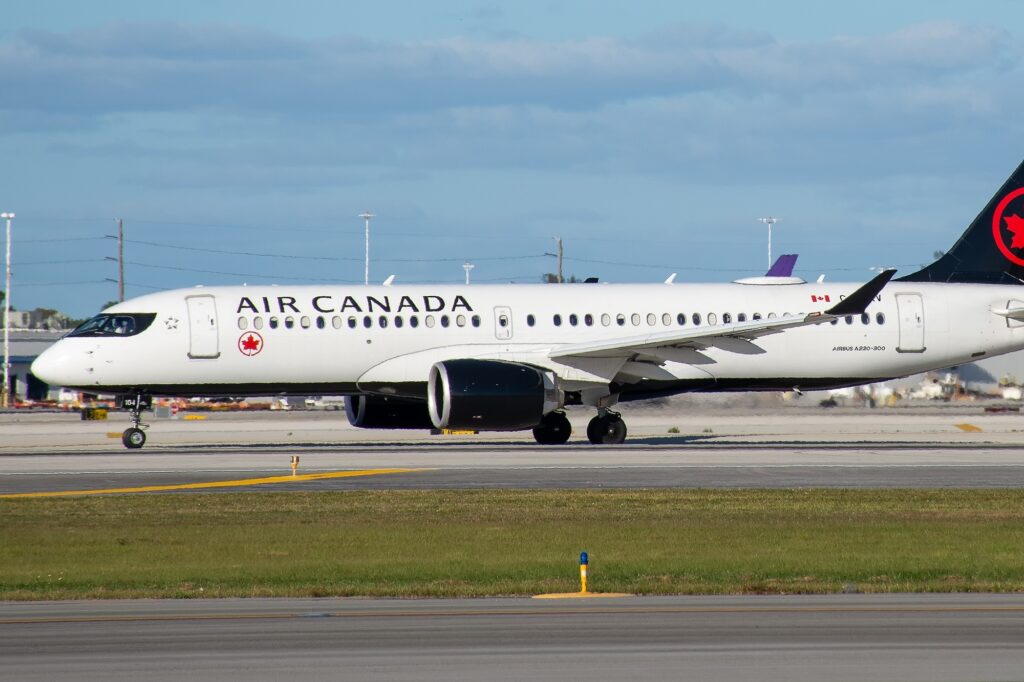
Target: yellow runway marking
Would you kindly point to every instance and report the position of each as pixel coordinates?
(582, 595)
(970, 428)
(218, 484)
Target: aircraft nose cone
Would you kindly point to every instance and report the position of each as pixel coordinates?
(48, 366)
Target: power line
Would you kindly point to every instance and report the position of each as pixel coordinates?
(238, 274)
(61, 284)
(58, 262)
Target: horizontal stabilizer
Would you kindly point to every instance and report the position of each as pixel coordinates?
(1016, 314)
(857, 302)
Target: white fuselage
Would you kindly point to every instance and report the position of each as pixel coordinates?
(259, 340)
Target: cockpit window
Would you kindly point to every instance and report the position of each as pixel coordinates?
(115, 324)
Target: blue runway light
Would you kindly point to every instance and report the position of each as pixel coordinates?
(583, 558)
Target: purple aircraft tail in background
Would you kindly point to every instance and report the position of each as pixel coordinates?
(783, 267)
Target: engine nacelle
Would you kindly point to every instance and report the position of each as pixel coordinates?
(490, 395)
(384, 412)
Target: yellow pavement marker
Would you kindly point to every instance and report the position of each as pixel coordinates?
(218, 484)
(969, 428)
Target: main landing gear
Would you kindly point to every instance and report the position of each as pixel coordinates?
(134, 437)
(554, 429)
(607, 428)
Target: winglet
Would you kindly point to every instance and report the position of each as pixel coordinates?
(857, 302)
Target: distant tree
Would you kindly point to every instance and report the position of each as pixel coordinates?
(108, 304)
(552, 278)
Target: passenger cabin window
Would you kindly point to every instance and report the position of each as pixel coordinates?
(880, 318)
(557, 319)
(681, 319)
(726, 318)
(257, 322)
(741, 317)
(476, 320)
(116, 324)
(530, 320)
(606, 319)
(635, 319)
(712, 319)
(573, 320)
(696, 319)
(243, 322)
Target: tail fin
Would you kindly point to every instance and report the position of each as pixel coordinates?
(991, 251)
(783, 266)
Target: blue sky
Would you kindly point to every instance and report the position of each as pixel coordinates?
(239, 141)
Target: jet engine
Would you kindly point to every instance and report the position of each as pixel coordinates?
(385, 412)
(490, 395)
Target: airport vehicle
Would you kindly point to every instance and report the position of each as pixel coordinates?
(510, 357)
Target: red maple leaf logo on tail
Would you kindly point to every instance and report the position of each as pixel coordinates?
(1015, 224)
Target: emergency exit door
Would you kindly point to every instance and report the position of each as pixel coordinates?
(911, 313)
(202, 326)
(503, 322)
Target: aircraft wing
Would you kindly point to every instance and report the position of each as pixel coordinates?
(724, 335)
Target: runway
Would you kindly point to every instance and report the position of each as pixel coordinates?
(849, 637)
(231, 453)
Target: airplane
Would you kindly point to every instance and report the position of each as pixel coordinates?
(512, 357)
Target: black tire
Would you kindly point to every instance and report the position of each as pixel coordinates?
(554, 429)
(133, 438)
(616, 434)
(596, 429)
(606, 430)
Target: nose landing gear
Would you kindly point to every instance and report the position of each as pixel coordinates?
(134, 437)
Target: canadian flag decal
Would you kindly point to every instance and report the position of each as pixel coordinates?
(818, 299)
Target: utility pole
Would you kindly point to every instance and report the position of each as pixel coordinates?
(366, 215)
(561, 279)
(467, 266)
(120, 260)
(6, 398)
(769, 221)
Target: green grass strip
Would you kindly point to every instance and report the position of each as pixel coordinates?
(476, 543)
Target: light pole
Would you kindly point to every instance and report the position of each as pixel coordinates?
(769, 221)
(366, 215)
(467, 266)
(7, 315)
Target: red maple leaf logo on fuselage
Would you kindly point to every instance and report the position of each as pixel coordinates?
(252, 343)
(1015, 224)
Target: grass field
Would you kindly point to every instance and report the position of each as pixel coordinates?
(475, 543)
